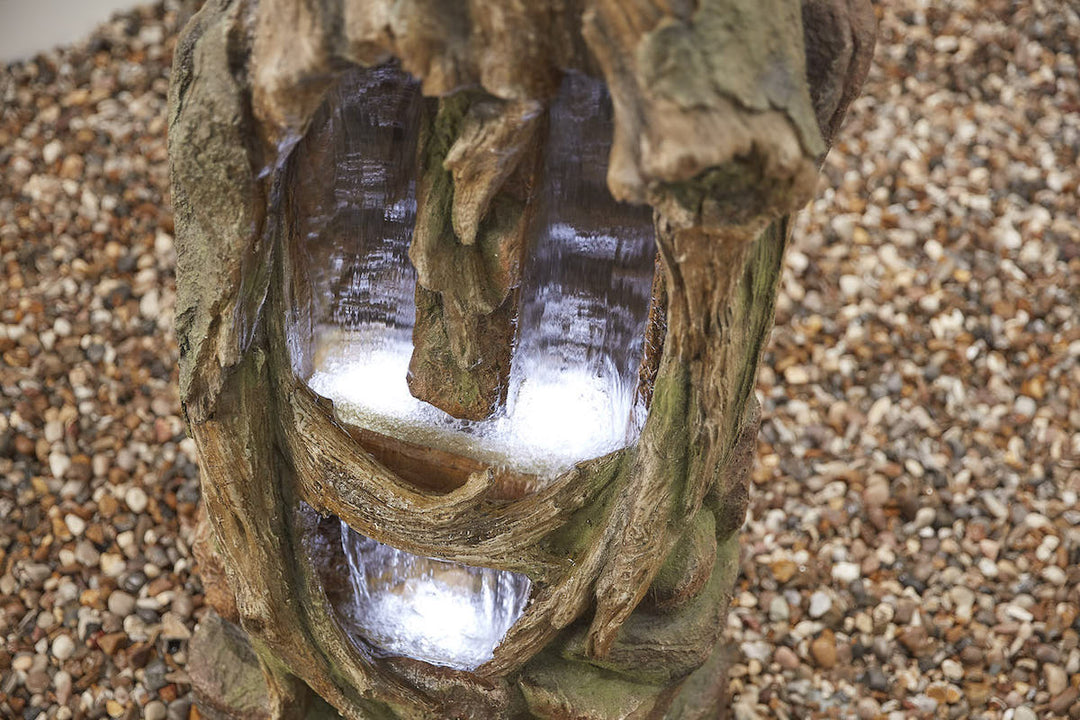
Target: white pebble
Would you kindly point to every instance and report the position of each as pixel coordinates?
(59, 464)
(1025, 406)
(120, 603)
(63, 647)
(112, 565)
(150, 305)
(51, 152)
(995, 506)
(952, 669)
(820, 603)
(54, 431)
(1018, 613)
(924, 517)
(846, 572)
(75, 524)
(136, 499)
(796, 375)
(933, 249)
(1054, 575)
(778, 609)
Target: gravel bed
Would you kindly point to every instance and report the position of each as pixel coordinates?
(98, 483)
(913, 546)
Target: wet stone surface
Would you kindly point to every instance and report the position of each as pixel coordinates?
(914, 539)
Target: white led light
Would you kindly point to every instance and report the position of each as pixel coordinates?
(558, 415)
(439, 612)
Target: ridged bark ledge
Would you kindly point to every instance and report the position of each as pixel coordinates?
(723, 111)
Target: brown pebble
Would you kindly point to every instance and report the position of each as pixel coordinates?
(37, 681)
(159, 585)
(108, 505)
(823, 649)
(977, 693)
(72, 167)
(112, 642)
(786, 658)
(1061, 703)
(972, 655)
(784, 570)
(905, 610)
(913, 639)
(139, 654)
(95, 534)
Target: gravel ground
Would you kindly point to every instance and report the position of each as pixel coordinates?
(913, 548)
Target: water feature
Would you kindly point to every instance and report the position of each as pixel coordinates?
(585, 293)
(573, 384)
(441, 612)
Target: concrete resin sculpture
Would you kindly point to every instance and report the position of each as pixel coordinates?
(471, 298)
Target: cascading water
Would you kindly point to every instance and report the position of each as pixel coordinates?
(584, 303)
(573, 385)
(440, 612)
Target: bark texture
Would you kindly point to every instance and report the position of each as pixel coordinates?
(723, 109)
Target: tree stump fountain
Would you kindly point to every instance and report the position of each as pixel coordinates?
(471, 298)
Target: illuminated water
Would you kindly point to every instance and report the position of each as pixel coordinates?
(440, 612)
(573, 382)
(573, 385)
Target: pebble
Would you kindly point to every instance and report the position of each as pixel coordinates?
(120, 603)
(913, 638)
(75, 524)
(179, 710)
(1056, 679)
(1064, 700)
(59, 464)
(786, 658)
(995, 506)
(796, 375)
(136, 499)
(110, 643)
(820, 603)
(173, 628)
(62, 684)
(112, 565)
(1018, 613)
(183, 606)
(86, 554)
(823, 650)
(63, 647)
(1025, 406)
(846, 572)
(778, 609)
(37, 681)
(876, 680)
(867, 708)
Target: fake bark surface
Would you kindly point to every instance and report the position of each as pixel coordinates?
(633, 555)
